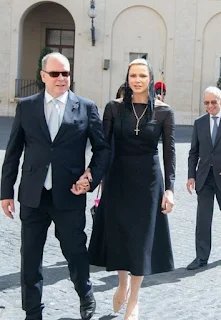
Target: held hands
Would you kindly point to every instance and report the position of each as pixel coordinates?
(167, 202)
(8, 207)
(190, 185)
(82, 185)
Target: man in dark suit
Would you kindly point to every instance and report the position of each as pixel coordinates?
(52, 129)
(204, 172)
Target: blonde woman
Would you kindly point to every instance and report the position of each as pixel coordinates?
(131, 232)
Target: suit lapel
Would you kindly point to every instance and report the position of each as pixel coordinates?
(71, 108)
(218, 135)
(39, 107)
(206, 127)
(205, 124)
(70, 111)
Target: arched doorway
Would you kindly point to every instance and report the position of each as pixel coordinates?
(44, 25)
(211, 56)
(137, 32)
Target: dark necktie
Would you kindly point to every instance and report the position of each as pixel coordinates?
(215, 128)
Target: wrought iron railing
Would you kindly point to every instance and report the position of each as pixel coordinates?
(25, 87)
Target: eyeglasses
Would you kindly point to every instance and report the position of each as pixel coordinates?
(55, 74)
(213, 102)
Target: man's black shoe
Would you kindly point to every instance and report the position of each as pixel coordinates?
(196, 264)
(87, 307)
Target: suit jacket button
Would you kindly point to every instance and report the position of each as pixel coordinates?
(47, 166)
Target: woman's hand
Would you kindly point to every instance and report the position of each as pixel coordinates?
(167, 202)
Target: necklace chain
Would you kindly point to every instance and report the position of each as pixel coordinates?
(138, 118)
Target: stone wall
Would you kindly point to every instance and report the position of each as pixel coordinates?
(179, 37)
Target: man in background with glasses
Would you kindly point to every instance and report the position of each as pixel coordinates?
(204, 172)
(52, 128)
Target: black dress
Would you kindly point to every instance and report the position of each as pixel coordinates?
(130, 232)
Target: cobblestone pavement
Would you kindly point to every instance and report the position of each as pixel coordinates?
(178, 295)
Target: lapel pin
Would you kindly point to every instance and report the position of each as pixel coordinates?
(75, 106)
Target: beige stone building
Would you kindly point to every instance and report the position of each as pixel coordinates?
(179, 37)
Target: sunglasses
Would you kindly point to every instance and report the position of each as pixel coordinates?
(55, 74)
(213, 102)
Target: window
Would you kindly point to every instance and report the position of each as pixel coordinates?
(62, 40)
(56, 39)
(136, 55)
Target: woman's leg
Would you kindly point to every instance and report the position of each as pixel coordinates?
(132, 304)
(121, 293)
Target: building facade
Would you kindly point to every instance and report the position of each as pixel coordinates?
(179, 37)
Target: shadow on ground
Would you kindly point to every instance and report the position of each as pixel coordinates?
(59, 271)
(69, 319)
(107, 317)
(177, 275)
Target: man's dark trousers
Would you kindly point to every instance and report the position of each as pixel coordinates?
(69, 230)
(205, 207)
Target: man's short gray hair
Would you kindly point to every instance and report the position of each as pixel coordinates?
(56, 55)
(214, 90)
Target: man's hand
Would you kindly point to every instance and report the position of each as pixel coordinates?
(190, 185)
(167, 202)
(82, 185)
(8, 207)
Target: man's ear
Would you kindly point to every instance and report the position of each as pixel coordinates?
(42, 73)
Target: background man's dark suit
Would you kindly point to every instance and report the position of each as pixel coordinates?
(67, 156)
(204, 166)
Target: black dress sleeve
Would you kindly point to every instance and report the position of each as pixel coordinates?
(100, 149)
(169, 157)
(108, 122)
